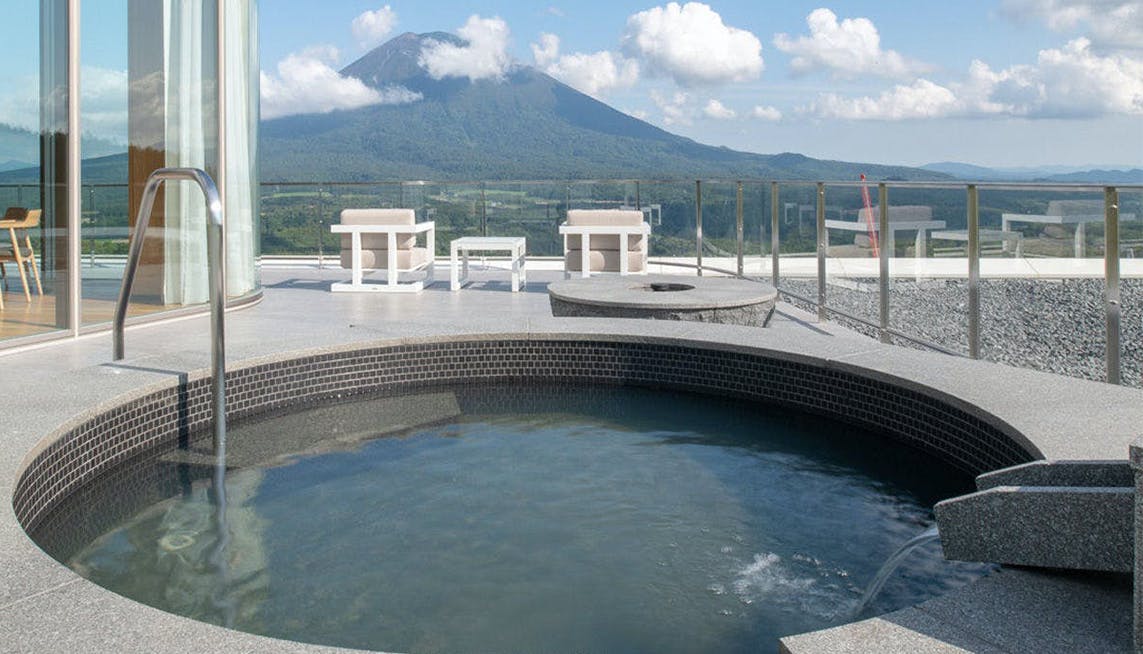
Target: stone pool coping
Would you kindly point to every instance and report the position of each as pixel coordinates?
(45, 607)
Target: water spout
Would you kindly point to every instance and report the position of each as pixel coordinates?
(891, 564)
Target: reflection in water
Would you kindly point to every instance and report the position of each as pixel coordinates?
(180, 561)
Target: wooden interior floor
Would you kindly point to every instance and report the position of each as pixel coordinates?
(20, 318)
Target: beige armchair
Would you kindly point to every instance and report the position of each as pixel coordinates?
(385, 239)
(605, 240)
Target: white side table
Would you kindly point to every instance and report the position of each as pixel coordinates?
(514, 245)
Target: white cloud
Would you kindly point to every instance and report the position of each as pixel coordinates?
(547, 51)
(692, 45)
(593, 74)
(1071, 82)
(104, 103)
(847, 49)
(371, 27)
(766, 113)
(306, 83)
(675, 108)
(553, 10)
(1114, 24)
(104, 98)
(596, 73)
(718, 111)
(921, 99)
(485, 55)
(20, 104)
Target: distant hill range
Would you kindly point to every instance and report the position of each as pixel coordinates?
(20, 148)
(1060, 174)
(525, 126)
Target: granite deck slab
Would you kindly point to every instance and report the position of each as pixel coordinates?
(47, 608)
(1012, 610)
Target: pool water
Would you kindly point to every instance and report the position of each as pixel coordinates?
(528, 519)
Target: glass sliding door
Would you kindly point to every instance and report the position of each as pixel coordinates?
(171, 114)
(104, 120)
(154, 78)
(33, 169)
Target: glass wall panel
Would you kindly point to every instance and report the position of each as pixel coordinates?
(33, 169)
(1049, 312)
(670, 209)
(756, 230)
(797, 230)
(928, 266)
(105, 200)
(719, 227)
(1131, 286)
(853, 243)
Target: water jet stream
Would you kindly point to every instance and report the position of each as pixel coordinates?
(890, 566)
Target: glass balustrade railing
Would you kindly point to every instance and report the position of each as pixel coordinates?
(1037, 275)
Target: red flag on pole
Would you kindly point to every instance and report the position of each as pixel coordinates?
(869, 218)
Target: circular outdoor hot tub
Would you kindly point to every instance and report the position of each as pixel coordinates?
(444, 461)
(665, 297)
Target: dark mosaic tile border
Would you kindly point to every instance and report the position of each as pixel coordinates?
(94, 449)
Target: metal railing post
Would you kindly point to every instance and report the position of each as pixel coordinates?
(775, 239)
(698, 223)
(94, 221)
(883, 260)
(638, 202)
(216, 260)
(823, 247)
(738, 225)
(1111, 281)
(973, 272)
(483, 212)
(321, 228)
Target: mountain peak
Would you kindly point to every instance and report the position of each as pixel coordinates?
(397, 61)
(523, 125)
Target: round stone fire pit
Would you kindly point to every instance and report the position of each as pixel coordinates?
(661, 297)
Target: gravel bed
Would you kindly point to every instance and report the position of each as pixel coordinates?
(1052, 325)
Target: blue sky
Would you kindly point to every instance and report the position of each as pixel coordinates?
(992, 82)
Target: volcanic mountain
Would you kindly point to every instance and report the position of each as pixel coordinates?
(526, 125)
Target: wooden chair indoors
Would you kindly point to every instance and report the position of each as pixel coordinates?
(18, 221)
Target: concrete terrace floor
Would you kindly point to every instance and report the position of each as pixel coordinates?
(44, 607)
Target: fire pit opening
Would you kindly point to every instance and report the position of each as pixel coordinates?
(667, 287)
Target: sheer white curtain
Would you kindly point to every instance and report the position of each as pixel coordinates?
(191, 105)
(190, 138)
(241, 145)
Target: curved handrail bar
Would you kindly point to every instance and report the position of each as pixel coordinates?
(216, 260)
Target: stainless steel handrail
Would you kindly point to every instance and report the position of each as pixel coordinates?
(216, 260)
